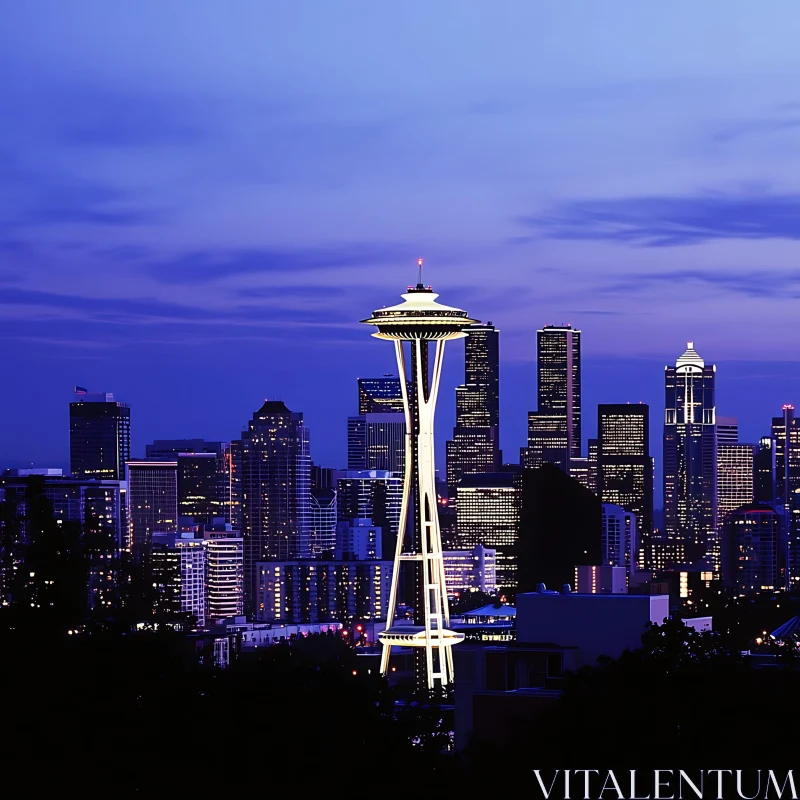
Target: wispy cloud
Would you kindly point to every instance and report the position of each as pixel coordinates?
(670, 221)
(204, 267)
(771, 284)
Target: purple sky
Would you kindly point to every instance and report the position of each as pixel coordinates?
(199, 200)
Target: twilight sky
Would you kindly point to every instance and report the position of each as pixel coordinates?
(198, 201)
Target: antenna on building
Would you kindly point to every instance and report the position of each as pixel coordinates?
(419, 271)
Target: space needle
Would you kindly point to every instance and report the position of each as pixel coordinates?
(421, 322)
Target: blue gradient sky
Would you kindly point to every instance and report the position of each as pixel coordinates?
(199, 200)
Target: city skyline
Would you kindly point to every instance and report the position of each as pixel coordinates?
(175, 218)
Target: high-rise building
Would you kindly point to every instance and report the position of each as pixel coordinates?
(322, 521)
(753, 558)
(231, 491)
(548, 441)
(584, 472)
(488, 513)
(791, 524)
(224, 572)
(727, 430)
(554, 430)
(380, 395)
(358, 540)
(764, 469)
(323, 590)
(786, 435)
(97, 508)
(99, 436)
(178, 570)
(204, 486)
(322, 477)
(619, 539)
(624, 464)
(276, 477)
(152, 502)
(472, 570)
(735, 470)
(475, 446)
(414, 325)
(560, 528)
(376, 495)
(377, 441)
(690, 457)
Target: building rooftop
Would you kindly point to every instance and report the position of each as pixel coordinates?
(488, 480)
(690, 358)
(273, 407)
(492, 611)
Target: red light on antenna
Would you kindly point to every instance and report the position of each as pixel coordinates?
(419, 262)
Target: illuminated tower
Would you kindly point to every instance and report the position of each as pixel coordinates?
(420, 321)
(690, 457)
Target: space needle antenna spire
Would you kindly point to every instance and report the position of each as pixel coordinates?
(419, 328)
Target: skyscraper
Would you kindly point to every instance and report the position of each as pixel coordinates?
(786, 435)
(475, 446)
(377, 441)
(560, 528)
(224, 571)
(690, 457)
(754, 560)
(735, 472)
(152, 502)
(624, 465)
(380, 395)
(276, 475)
(554, 429)
(727, 430)
(178, 570)
(620, 541)
(322, 521)
(764, 469)
(376, 495)
(488, 513)
(99, 436)
(419, 321)
(203, 476)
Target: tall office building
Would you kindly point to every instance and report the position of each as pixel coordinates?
(377, 441)
(735, 471)
(488, 513)
(727, 430)
(690, 457)
(152, 502)
(472, 570)
(786, 435)
(624, 465)
(322, 521)
(560, 528)
(753, 558)
(204, 486)
(224, 572)
(380, 395)
(178, 570)
(375, 495)
(764, 469)
(99, 436)
(276, 476)
(323, 590)
(619, 539)
(475, 446)
(231, 479)
(554, 429)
